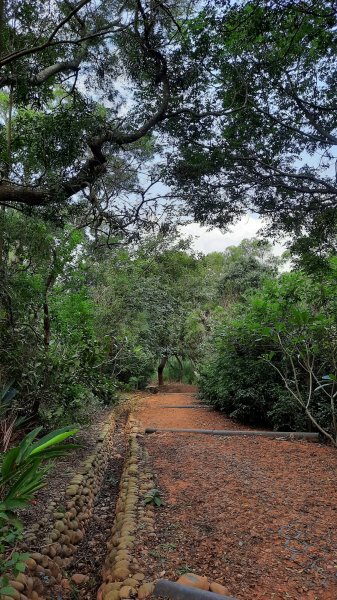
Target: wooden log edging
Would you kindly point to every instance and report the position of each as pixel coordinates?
(45, 568)
(176, 591)
(186, 406)
(287, 435)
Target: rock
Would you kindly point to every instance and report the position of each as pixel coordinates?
(112, 595)
(36, 556)
(72, 490)
(127, 592)
(131, 581)
(121, 562)
(30, 585)
(79, 578)
(65, 584)
(122, 555)
(121, 573)
(196, 581)
(55, 534)
(59, 526)
(17, 585)
(139, 576)
(31, 564)
(113, 586)
(145, 590)
(217, 588)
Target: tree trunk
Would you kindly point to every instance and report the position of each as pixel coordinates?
(161, 368)
(46, 325)
(2, 26)
(181, 368)
(46, 315)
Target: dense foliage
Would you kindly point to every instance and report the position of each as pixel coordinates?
(230, 103)
(273, 360)
(79, 320)
(48, 344)
(118, 120)
(272, 66)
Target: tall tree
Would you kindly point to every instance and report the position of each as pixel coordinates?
(91, 82)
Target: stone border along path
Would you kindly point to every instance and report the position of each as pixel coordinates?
(207, 406)
(121, 575)
(282, 435)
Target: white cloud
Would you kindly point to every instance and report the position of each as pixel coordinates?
(214, 240)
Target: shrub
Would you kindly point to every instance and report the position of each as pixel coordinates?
(236, 381)
(274, 363)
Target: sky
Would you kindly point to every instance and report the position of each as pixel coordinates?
(206, 241)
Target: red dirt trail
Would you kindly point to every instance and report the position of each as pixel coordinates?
(257, 515)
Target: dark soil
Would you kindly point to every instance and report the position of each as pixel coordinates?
(91, 553)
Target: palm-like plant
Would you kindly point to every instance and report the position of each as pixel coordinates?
(24, 467)
(23, 472)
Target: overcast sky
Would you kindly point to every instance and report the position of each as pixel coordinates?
(215, 241)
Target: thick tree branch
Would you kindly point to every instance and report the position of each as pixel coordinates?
(12, 194)
(284, 124)
(61, 67)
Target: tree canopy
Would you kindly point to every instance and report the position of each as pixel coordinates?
(87, 90)
(272, 66)
(230, 104)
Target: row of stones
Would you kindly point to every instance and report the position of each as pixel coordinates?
(121, 576)
(45, 568)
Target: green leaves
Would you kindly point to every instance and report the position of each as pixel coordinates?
(15, 564)
(274, 356)
(6, 589)
(53, 438)
(153, 497)
(23, 473)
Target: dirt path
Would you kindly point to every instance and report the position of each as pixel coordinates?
(257, 515)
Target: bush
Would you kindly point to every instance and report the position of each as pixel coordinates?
(235, 380)
(134, 365)
(273, 363)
